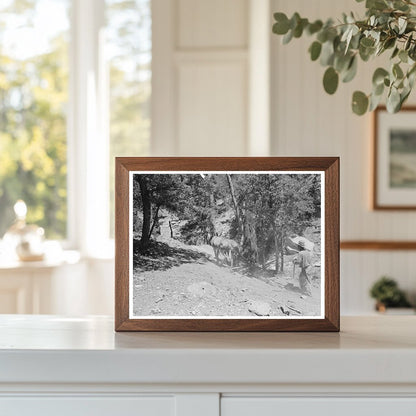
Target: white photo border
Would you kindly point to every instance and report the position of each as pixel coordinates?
(222, 172)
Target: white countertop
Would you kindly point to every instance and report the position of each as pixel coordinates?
(52, 349)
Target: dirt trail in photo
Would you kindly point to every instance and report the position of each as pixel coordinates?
(180, 280)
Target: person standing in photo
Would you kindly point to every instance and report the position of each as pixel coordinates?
(304, 259)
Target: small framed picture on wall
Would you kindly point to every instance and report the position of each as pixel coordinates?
(394, 177)
(227, 244)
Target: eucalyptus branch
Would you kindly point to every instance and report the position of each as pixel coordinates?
(389, 25)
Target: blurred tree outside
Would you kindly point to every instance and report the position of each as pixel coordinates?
(34, 73)
(33, 100)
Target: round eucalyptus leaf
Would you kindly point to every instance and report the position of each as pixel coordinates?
(315, 50)
(359, 103)
(376, 4)
(294, 20)
(342, 61)
(315, 27)
(351, 71)
(367, 42)
(366, 53)
(330, 80)
(327, 53)
(298, 30)
(281, 27)
(322, 36)
(378, 89)
(379, 75)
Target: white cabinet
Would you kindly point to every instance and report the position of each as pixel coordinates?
(269, 406)
(88, 406)
(65, 366)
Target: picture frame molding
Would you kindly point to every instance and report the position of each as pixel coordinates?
(376, 206)
(330, 165)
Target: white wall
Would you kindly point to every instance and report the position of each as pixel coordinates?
(308, 122)
(203, 84)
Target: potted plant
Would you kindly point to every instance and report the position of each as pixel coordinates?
(387, 294)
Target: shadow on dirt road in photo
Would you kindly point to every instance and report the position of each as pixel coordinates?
(161, 256)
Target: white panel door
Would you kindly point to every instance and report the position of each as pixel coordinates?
(200, 77)
(212, 24)
(212, 108)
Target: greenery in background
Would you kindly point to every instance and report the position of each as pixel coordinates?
(129, 47)
(389, 27)
(34, 101)
(387, 293)
(33, 97)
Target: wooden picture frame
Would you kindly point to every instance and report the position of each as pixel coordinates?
(391, 174)
(296, 168)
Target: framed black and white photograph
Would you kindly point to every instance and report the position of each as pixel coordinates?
(394, 179)
(227, 244)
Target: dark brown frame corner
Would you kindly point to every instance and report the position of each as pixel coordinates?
(330, 165)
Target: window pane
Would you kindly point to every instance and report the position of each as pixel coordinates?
(129, 46)
(33, 100)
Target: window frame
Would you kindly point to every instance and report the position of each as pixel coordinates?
(87, 128)
(88, 133)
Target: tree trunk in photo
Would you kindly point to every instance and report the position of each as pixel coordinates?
(147, 212)
(234, 199)
(251, 237)
(171, 229)
(281, 252)
(155, 220)
(277, 252)
(263, 260)
(211, 214)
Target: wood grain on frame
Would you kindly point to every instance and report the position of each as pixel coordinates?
(330, 165)
(375, 204)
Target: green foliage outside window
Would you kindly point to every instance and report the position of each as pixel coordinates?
(33, 100)
(34, 82)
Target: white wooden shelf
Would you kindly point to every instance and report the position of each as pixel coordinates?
(57, 357)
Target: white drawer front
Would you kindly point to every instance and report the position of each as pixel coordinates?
(269, 406)
(87, 406)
